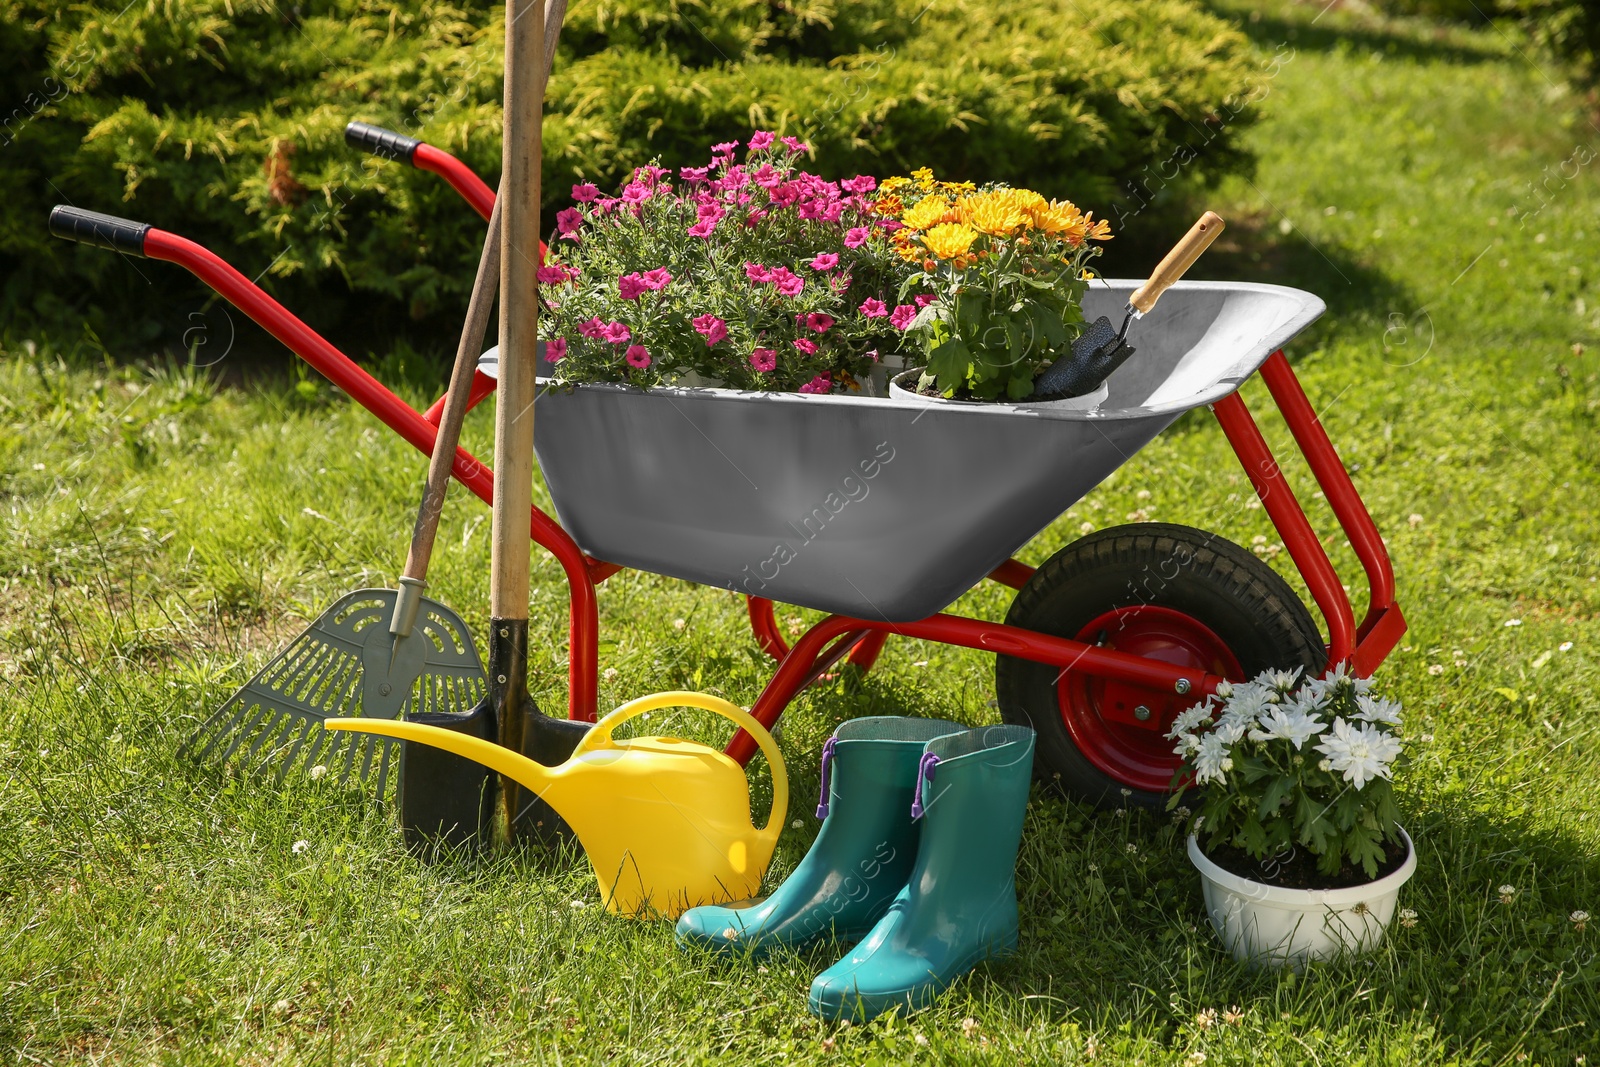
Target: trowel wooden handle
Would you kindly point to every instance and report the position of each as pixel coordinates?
(1179, 260)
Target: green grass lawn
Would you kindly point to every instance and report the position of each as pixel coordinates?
(163, 536)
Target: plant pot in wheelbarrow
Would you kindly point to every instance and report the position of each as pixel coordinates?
(882, 509)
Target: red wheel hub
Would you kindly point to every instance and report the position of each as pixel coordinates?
(1120, 727)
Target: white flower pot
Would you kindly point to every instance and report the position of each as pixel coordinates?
(903, 387)
(1265, 925)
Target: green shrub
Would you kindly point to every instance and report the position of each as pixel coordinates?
(222, 120)
(1569, 30)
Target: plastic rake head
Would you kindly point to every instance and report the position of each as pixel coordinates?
(345, 663)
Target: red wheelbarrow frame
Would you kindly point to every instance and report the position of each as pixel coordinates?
(1363, 646)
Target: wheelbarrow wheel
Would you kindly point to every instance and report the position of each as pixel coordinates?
(1169, 592)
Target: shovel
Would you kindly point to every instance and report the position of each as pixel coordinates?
(1103, 348)
(507, 710)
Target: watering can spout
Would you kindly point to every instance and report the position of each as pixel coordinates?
(665, 821)
(544, 782)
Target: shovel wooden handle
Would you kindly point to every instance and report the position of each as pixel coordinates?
(1177, 261)
(484, 288)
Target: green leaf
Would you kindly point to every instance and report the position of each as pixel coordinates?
(948, 363)
(1275, 795)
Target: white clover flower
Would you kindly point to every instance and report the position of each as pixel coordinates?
(1377, 710)
(1508, 893)
(1292, 724)
(1579, 920)
(1211, 760)
(1513, 622)
(319, 771)
(1359, 753)
(1408, 917)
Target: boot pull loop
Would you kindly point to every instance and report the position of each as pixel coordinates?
(925, 771)
(827, 776)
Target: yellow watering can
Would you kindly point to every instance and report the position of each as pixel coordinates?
(665, 822)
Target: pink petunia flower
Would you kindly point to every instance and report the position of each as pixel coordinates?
(873, 308)
(764, 360)
(855, 237)
(761, 141)
(694, 175)
(656, 279)
(924, 299)
(594, 329)
(585, 192)
(710, 209)
(817, 322)
(819, 384)
(552, 275)
(808, 347)
(757, 273)
(631, 285)
(861, 183)
(555, 350)
(726, 148)
(710, 327)
(767, 177)
(615, 332)
(788, 282)
(825, 261)
(638, 356)
(636, 193)
(795, 145)
(704, 228)
(902, 316)
(568, 220)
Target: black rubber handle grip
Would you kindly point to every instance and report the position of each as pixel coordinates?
(385, 144)
(102, 231)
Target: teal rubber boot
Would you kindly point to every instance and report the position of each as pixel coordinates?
(960, 904)
(860, 859)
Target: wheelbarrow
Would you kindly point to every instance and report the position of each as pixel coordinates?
(882, 512)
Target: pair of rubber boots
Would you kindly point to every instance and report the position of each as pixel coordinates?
(916, 860)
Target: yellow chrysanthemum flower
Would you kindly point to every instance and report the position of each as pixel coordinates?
(929, 211)
(923, 176)
(1098, 231)
(1062, 219)
(958, 187)
(949, 239)
(889, 185)
(991, 213)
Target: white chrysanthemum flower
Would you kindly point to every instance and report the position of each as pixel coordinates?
(1378, 710)
(1231, 728)
(1188, 719)
(1225, 689)
(1281, 681)
(1292, 724)
(1211, 760)
(1248, 704)
(1187, 745)
(1359, 753)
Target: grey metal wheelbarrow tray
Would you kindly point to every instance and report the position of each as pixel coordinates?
(881, 509)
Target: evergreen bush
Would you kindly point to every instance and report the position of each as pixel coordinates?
(223, 119)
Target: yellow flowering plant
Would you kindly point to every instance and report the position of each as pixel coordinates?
(1002, 273)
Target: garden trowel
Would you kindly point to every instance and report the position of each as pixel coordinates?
(1103, 348)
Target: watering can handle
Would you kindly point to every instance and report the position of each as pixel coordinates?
(600, 735)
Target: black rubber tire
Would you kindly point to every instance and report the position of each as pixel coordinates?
(1244, 602)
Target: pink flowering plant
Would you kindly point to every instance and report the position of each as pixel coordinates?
(752, 274)
(1287, 765)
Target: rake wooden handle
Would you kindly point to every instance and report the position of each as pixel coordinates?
(1177, 261)
(484, 288)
